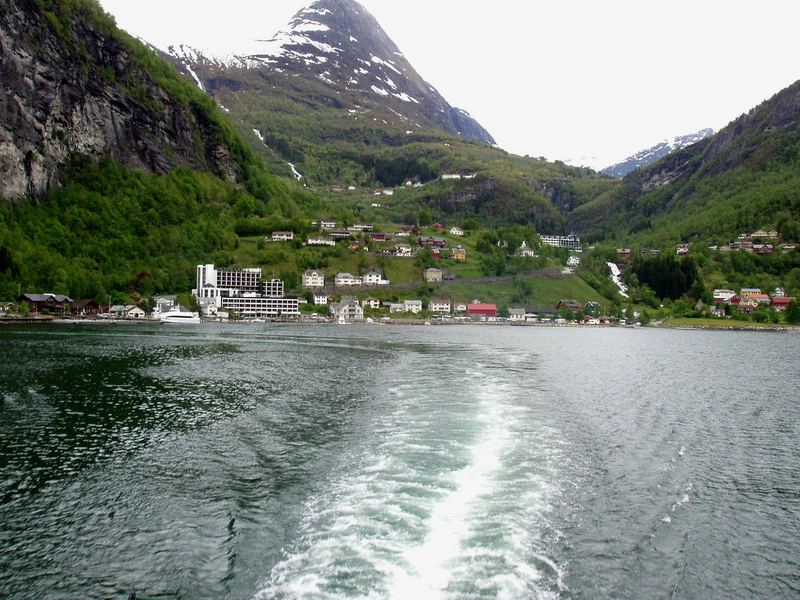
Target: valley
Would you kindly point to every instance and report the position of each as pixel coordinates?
(154, 169)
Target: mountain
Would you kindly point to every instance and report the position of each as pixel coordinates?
(743, 178)
(116, 174)
(337, 43)
(332, 100)
(75, 85)
(652, 154)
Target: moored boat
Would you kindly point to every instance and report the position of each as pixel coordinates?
(178, 314)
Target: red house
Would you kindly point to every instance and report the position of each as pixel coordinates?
(482, 310)
(781, 302)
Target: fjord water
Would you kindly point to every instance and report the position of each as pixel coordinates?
(271, 461)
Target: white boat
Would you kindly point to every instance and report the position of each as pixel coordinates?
(178, 314)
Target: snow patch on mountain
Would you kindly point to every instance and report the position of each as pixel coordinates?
(406, 98)
(654, 153)
(196, 78)
(385, 63)
(336, 42)
(315, 11)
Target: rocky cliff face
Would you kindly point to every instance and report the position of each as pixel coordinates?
(337, 43)
(70, 89)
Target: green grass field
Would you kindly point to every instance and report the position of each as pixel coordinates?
(719, 324)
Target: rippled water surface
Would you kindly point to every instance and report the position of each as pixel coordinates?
(273, 461)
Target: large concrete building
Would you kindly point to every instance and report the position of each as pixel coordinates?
(570, 241)
(242, 291)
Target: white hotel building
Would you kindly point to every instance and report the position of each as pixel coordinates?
(243, 291)
(570, 241)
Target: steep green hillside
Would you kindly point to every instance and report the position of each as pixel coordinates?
(163, 181)
(744, 178)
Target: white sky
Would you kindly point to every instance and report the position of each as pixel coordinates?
(585, 81)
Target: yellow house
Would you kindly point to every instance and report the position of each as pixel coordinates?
(458, 253)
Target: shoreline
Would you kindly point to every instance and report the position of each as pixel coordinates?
(682, 325)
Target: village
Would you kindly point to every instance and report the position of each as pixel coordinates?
(246, 295)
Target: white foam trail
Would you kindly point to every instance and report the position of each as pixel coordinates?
(451, 498)
(429, 571)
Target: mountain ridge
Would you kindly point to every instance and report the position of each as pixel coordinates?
(340, 44)
(650, 155)
(746, 176)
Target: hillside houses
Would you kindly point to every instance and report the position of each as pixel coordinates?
(440, 305)
(313, 279)
(347, 310)
(374, 277)
(321, 241)
(282, 236)
(458, 254)
(432, 275)
(348, 280)
(54, 304)
(526, 251)
(750, 299)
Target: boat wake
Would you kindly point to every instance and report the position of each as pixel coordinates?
(452, 501)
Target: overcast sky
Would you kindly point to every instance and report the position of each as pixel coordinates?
(585, 81)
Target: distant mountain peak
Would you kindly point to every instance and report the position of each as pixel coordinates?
(654, 153)
(339, 43)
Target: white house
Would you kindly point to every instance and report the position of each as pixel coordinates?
(396, 308)
(403, 251)
(456, 231)
(312, 279)
(447, 176)
(388, 192)
(432, 274)
(516, 314)
(374, 277)
(320, 298)
(723, 295)
(321, 241)
(163, 303)
(439, 305)
(327, 225)
(347, 279)
(413, 306)
(371, 303)
(526, 251)
(282, 236)
(573, 261)
(460, 308)
(347, 310)
(135, 313)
